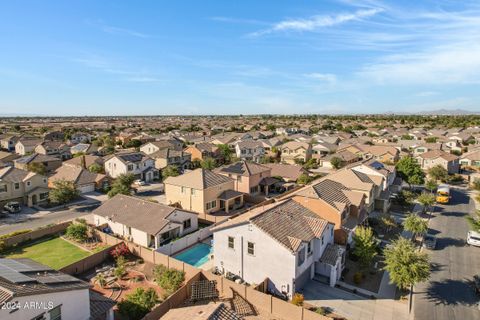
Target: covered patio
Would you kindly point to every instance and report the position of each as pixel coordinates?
(231, 200)
(329, 267)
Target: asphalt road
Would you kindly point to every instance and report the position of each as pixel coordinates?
(40, 219)
(449, 293)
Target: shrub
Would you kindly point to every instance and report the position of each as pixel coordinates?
(168, 279)
(77, 231)
(357, 277)
(15, 233)
(3, 246)
(476, 184)
(137, 304)
(119, 250)
(120, 270)
(321, 310)
(298, 299)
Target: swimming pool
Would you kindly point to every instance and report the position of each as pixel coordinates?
(196, 255)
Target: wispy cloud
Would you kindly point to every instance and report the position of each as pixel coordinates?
(117, 30)
(143, 79)
(238, 20)
(317, 22)
(324, 77)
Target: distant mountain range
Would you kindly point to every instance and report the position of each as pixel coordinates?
(449, 112)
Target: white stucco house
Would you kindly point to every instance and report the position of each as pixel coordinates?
(136, 163)
(30, 290)
(284, 242)
(145, 223)
(249, 150)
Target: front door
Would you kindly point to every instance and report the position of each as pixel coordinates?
(34, 199)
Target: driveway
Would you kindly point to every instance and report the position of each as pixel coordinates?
(449, 293)
(352, 306)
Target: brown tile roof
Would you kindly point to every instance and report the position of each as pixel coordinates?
(288, 171)
(77, 175)
(243, 168)
(433, 154)
(198, 179)
(137, 213)
(12, 174)
(89, 160)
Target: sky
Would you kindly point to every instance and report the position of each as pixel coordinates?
(90, 57)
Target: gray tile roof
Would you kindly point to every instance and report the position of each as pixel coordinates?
(244, 168)
(331, 254)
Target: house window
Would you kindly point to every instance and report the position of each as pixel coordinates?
(231, 242)
(251, 248)
(28, 183)
(16, 185)
(211, 204)
(130, 167)
(322, 240)
(301, 256)
(43, 196)
(3, 188)
(309, 248)
(183, 189)
(239, 178)
(129, 231)
(44, 180)
(56, 313)
(254, 189)
(187, 224)
(192, 192)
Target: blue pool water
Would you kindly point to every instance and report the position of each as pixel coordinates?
(196, 255)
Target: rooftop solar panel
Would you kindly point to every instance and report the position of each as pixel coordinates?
(14, 276)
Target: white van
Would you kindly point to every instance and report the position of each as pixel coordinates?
(473, 238)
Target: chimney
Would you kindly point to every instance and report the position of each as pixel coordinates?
(83, 162)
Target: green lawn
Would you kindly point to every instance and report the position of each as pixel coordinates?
(55, 253)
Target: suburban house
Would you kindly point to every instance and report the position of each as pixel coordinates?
(203, 150)
(172, 157)
(6, 158)
(54, 148)
(367, 184)
(54, 136)
(50, 163)
(288, 172)
(136, 163)
(80, 137)
(284, 242)
(84, 180)
(294, 152)
(433, 158)
(154, 146)
(471, 159)
(250, 150)
(85, 161)
(345, 156)
(144, 222)
(22, 186)
(336, 203)
(55, 295)
(203, 191)
(8, 142)
(425, 147)
(321, 149)
(26, 145)
(250, 178)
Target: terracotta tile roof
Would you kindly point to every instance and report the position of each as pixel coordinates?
(288, 171)
(198, 179)
(77, 175)
(433, 154)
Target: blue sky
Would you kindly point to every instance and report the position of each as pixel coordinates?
(238, 57)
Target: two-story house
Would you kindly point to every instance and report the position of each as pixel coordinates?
(154, 146)
(80, 137)
(250, 178)
(284, 242)
(50, 163)
(144, 222)
(203, 150)
(26, 145)
(296, 152)
(433, 158)
(203, 191)
(54, 148)
(171, 157)
(250, 150)
(22, 186)
(8, 142)
(136, 163)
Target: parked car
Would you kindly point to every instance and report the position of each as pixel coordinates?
(476, 283)
(13, 207)
(473, 238)
(139, 182)
(429, 241)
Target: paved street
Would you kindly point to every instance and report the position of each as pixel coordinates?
(449, 293)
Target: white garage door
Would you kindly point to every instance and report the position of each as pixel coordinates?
(87, 188)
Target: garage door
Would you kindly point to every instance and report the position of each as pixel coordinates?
(87, 188)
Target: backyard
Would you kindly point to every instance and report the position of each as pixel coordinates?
(53, 252)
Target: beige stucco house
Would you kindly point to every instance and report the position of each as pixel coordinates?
(136, 163)
(433, 158)
(203, 191)
(293, 152)
(25, 187)
(250, 178)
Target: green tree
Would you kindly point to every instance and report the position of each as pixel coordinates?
(410, 171)
(405, 264)
(438, 172)
(225, 151)
(37, 167)
(431, 185)
(77, 231)
(137, 304)
(122, 185)
(476, 184)
(388, 222)
(208, 163)
(134, 143)
(304, 179)
(168, 279)
(337, 162)
(96, 168)
(426, 199)
(365, 245)
(63, 192)
(311, 164)
(170, 171)
(415, 224)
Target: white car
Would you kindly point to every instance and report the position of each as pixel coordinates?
(473, 238)
(139, 182)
